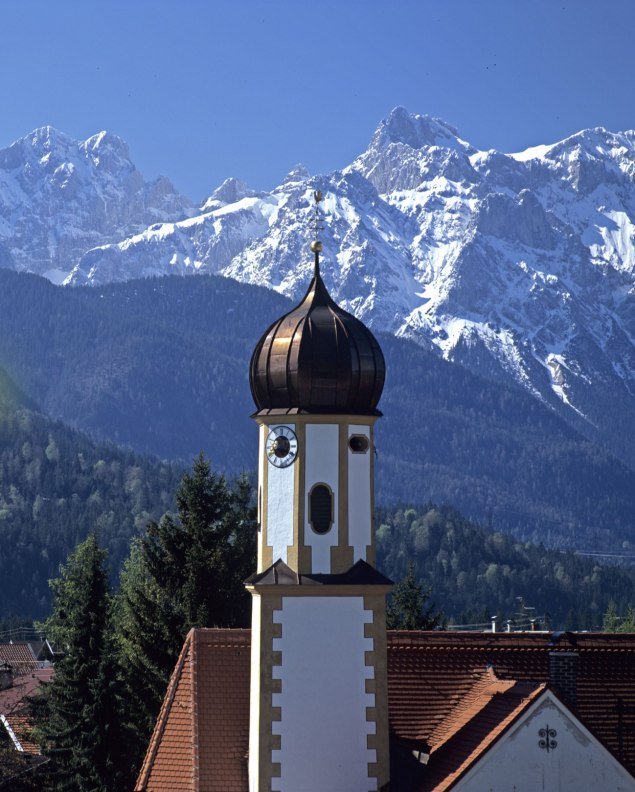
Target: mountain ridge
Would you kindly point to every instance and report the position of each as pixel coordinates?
(160, 365)
(518, 266)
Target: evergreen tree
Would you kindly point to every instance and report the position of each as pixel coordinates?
(628, 623)
(406, 607)
(78, 721)
(149, 635)
(186, 571)
(611, 620)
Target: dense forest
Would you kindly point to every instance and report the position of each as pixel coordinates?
(56, 485)
(161, 365)
(473, 574)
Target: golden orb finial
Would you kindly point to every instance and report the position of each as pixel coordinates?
(316, 246)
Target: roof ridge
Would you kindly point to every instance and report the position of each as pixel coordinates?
(485, 744)
(164, 713)
(223, 636)
(469, 706)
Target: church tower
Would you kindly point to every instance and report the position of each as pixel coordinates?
(319, 714)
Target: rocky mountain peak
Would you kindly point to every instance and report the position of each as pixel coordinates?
(515, 265)
(417, 132)
(297, 174)
(59, 197)
(230, 191)
(107, 151)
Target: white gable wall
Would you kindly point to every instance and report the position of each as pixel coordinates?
(579, 763)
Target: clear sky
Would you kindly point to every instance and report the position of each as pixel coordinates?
(206, 89)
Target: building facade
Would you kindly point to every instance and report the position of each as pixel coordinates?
(318, 714)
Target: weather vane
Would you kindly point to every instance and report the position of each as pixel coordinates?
(316, 222)
(316, 226)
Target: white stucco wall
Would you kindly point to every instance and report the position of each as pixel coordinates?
(254, 694)
(321, 466)
(359, 496)
(262, 435)
(323, 700)
(280, 490)
(517, 764)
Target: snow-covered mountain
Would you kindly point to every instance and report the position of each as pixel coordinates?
(520, 266)
(60, 197)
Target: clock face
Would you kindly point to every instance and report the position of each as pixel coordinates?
(281, 446)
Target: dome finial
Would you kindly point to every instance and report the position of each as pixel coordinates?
(316, 245)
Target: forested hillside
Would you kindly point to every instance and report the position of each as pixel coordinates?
(55, 486)
(474, 573)
(161, 365)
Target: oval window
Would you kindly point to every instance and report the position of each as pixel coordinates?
(321, 508)
(358, 444)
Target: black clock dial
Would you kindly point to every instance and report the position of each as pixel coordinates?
(282, 446)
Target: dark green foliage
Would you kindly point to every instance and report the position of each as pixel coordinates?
(18, 773)
(55, 485)
(406, 608)
(474, 573)
(200, 559)
(186, 571)
(615, 623)
(161, 365)
(78, 723)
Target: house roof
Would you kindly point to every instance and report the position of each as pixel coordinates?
(19, 655)
(451, 696)
(473, 727)
(12, 699)
(19, 729)
(201, 736)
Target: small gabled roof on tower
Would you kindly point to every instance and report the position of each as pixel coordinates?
(318, 358)
(280, 574)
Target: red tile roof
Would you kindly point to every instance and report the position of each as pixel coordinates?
(14, 710)
(201, 737)
(21, 727)
(473, 727)
(12, 699)
(434, 676)
(19, 656)
(451, 695)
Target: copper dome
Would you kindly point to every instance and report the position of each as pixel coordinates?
(318, 359)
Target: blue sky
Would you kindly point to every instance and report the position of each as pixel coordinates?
(204, 90)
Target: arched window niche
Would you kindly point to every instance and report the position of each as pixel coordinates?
(321, 508)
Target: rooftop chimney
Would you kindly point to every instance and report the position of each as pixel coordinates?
(563, 674)
(6, 676)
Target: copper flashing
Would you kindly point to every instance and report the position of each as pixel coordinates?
(280, 574)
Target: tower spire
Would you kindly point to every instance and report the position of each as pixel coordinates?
(316, 245)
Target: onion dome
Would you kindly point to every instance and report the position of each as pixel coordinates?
(318, 358)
